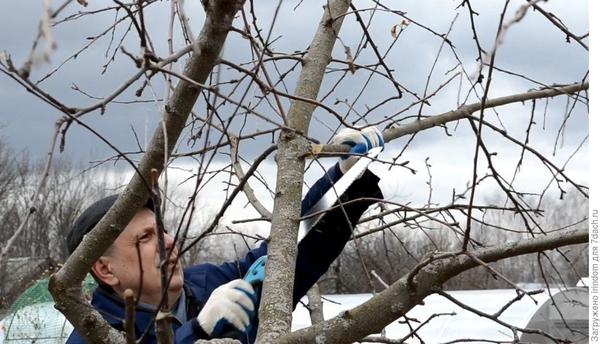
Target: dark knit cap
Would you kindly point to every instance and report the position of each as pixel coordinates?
(90, 217)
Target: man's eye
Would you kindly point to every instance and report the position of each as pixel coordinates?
(146, 237)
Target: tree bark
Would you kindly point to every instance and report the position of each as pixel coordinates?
(65, 285)
(315, 305)
(467, 110)
(387, 306)
(275, 311)
(458, 114)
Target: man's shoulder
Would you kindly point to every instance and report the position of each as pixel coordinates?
(196, 273)
(75, 338)
(110, 306)
(199, 279)
(195, 276)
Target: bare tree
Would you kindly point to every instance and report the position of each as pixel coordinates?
(40, 245)
(259, 96)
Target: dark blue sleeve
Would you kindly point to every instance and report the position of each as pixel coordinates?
(317, 265)
(217, 275)
(75, 338)
(213, 276)
(319, 188)
(190, 332)
(239, 268)
(327, 239)
(319, 248)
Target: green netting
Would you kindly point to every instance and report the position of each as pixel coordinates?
(32, 318)
(38, 293)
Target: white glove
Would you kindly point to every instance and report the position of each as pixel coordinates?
(360, 141)
(230, 305)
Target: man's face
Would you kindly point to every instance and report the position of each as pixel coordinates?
(122, 260)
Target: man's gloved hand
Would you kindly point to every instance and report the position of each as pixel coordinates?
(360, 141)
(231, 304)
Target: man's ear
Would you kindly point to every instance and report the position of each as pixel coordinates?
(103, 270)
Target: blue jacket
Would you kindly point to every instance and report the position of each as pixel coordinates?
(315, 253)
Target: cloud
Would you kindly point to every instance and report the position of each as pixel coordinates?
(532, 47)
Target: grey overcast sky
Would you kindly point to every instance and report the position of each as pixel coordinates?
(532, 47)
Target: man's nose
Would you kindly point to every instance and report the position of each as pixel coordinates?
(169, 240)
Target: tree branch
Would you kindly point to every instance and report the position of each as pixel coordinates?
(275, 311)
(65, 285)
(239, 172)
(466, 110)
(462, 112)
(373, 315)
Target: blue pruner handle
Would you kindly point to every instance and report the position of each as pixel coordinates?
(255, 276)
(256, 273)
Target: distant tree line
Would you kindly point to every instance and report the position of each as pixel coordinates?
(395, 251)
(365, 264)
(41, 245)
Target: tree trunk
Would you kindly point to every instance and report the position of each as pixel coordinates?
(65, 285)
(275, 312)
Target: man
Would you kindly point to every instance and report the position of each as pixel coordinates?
(210, 301)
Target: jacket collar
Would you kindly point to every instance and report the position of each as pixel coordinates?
(112, 308)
